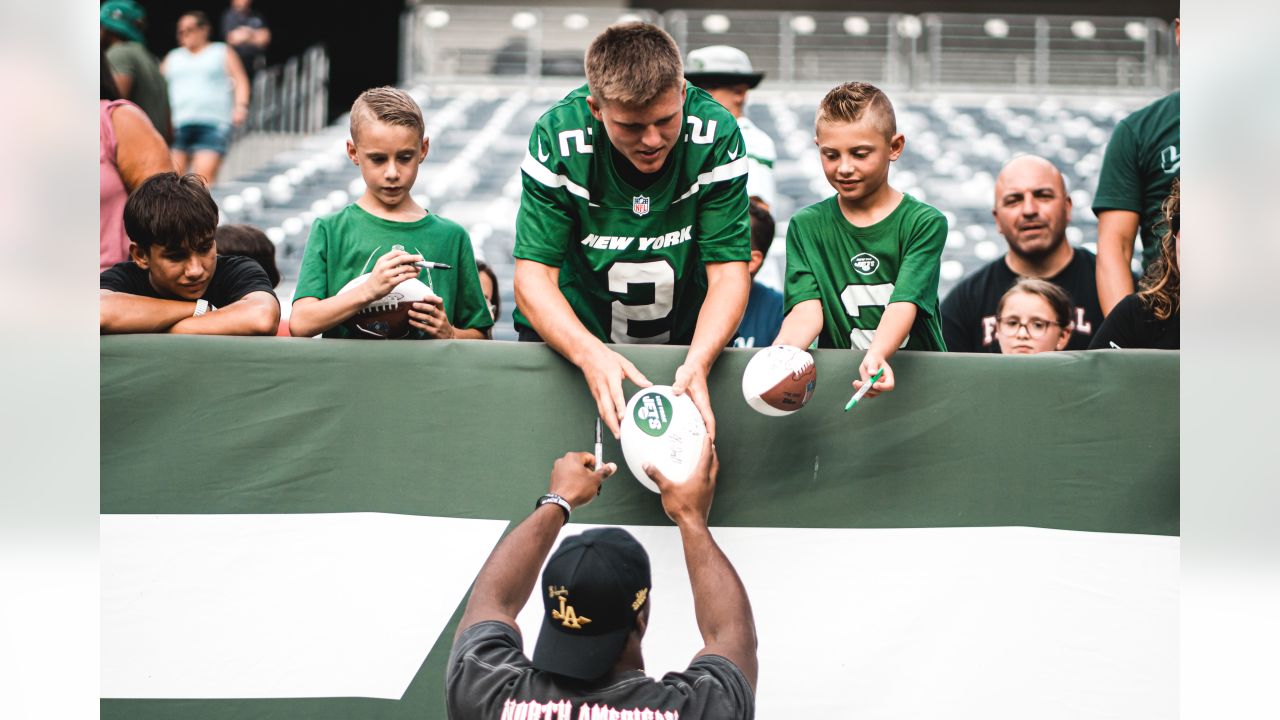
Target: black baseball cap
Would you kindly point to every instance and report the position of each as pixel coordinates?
(592, 589)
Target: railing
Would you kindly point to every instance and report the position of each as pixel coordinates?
(288, 102)
(292, 97)
(955, 51)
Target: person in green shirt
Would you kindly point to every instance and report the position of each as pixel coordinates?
(863, 265)
(1143, 157)
(387, 144)
(633, 220)
(134, 69)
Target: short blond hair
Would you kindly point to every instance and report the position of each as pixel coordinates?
(855, 101)
(389, 106)
(633, 63)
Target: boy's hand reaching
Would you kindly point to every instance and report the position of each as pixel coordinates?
(428, 316)
(391, 269)
(871, 364)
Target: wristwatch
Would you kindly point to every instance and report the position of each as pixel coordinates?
(202, 307)
(554, 498)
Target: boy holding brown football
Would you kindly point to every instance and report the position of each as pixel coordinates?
(384, 234)
(863, 265)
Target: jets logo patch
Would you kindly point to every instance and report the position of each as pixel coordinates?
(640, 205)
(865, 263)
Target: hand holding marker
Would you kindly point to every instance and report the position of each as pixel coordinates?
(425, 264)
(863, 390)
(599, 446)
(599, 454)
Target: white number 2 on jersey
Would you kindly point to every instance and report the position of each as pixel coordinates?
(856, 297)
(630, 278)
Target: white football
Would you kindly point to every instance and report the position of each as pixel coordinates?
(662, 429)
(779, 380)
(388, 316)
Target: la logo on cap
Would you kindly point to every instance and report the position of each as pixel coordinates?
(567, 616)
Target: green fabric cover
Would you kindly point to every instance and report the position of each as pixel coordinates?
(1076, 441)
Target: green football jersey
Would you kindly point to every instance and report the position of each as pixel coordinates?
(632, 260)
(857, 271)
(347, 244)
(1143, 157)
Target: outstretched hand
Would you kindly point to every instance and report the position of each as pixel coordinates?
(870, 365)
(689, 501)
(692, 378)
(604, 372)
(574, 479)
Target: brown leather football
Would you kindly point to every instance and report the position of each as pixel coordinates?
(387, 318)
(779, 380)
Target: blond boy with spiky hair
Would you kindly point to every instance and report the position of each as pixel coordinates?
(862, 266)
(384, 233)
(633, 221)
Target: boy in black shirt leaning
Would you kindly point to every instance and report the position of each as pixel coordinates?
(174, 281)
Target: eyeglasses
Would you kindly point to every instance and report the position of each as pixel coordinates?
(1035, 326)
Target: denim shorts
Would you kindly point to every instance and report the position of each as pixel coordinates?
(198, 136)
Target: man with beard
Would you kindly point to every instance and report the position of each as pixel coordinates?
(1031, 211)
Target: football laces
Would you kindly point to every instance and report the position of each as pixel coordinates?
(798, 364)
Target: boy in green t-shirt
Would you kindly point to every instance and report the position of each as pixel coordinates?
(387, 144)
(862, 266)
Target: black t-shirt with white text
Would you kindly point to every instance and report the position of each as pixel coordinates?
(233, 278)
(969, 312)
(489, 678)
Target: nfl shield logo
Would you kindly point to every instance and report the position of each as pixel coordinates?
(640, 205)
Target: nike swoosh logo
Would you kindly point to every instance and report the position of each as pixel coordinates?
(733, 154)
(542, 157)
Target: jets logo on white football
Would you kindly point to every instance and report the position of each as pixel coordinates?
(662, 429)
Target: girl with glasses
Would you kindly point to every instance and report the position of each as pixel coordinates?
(1034, 316)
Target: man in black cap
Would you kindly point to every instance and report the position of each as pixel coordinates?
(595, 595)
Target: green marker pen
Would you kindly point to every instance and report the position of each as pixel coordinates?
(863, 390)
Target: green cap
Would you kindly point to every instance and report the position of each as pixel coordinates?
(124, 18)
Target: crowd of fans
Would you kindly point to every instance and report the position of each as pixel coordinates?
(695, 181)
(648, 228)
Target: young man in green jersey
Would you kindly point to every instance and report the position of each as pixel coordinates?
(862, 266)
(633, 223)
(387, 144)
